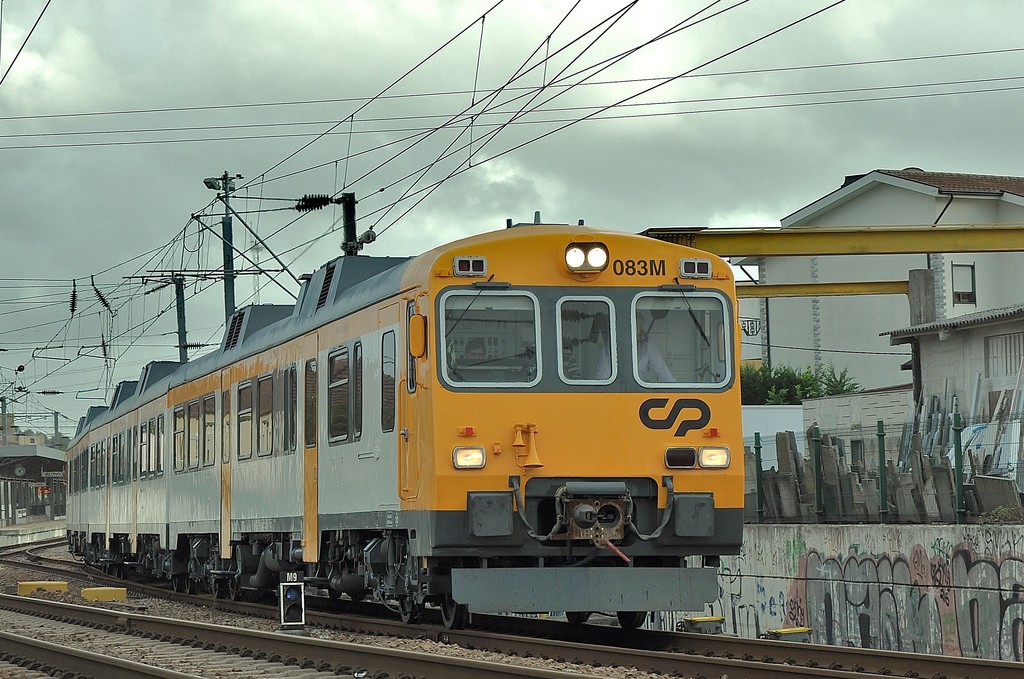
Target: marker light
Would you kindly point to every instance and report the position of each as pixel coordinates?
(468, 457)
(695, 268)
(586, 257)
(714, 457)
(470, 266)
(681, 458)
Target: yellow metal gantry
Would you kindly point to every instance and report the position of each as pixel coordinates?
(853, 240)
(860, 240)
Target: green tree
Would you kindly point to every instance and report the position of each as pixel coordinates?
(765, 384)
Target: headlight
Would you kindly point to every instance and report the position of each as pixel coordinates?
(574, 257)
(468, 457)
(586, 257)
(714, 457)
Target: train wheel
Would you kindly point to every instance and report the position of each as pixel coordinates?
(412, 612)
(454, 615)
(631, 619)
(577, 617)
(234, 589)
(178, 581)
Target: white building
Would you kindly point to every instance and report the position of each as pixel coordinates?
(853, 332)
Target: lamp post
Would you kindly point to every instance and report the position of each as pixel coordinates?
(225, 184)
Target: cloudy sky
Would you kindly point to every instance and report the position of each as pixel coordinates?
(445, 119)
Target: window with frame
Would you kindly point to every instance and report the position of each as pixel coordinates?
(225, 405)
(388, 373)
(115, 455)
(136, 447)
(290, 408)
(357, 391)
(964, 284)
(309, 385)
(194, 435)
(587, 337)
(209, 430)
(682, 338)
(244, 421)
(410, 380)
(490, 338)
(179, 438)
(337, 396)
(265, 415)
(158, 444)
(144, 461)
(1003, 354)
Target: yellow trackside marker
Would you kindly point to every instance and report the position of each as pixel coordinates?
(104, 593)
(41, 586)
(702, 624)
(789, 634)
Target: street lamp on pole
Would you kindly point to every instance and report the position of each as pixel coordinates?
(225, 184)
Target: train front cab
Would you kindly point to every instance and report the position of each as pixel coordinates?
(567, 471)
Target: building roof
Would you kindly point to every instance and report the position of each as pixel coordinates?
(1000, 315)
(1010, 189)
(953, 182)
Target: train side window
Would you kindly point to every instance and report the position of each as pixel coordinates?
(209, 430)
(265, 414)
(104, 476)
(127, 455)
(144, 450)
(290, 407)
(337, 396)
(179, 438)
(194, 435)
(357, 391)
(115, 455)
(410, 381)
(309, 384)
(159, 447)
(136, 451)
(244, 421)
(387, 381)
(225, 405)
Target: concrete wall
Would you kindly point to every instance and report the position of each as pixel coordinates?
(948, 589)
(861, 411)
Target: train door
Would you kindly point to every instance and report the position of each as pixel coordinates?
(310, 451)
(408, 459)
(225, 464)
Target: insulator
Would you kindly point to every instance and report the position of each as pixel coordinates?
(99, 295)
(313, 201)
(74, 298)
(103, 345)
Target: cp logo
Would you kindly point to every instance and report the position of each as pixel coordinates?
(668, 420)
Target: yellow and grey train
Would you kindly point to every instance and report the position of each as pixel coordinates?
(541, 418)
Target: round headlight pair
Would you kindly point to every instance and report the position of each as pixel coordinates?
(586, 257)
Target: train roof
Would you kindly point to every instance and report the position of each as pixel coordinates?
(340, 287)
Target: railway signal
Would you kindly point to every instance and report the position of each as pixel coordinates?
(292, 600)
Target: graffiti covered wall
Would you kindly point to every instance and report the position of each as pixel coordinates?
(955, 590)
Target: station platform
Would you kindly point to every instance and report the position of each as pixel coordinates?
(31, 531)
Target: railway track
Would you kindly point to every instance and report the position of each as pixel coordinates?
(669, 654)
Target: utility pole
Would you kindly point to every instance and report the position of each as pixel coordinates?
(225, 184)
(179, 303)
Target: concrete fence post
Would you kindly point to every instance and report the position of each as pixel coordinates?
(958, 472)
(819, 502)
(883, 477)
(757, 479)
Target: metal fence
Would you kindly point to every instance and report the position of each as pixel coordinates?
(956, 471)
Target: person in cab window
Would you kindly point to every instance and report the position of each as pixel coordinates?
(475, 351)
(651, 364)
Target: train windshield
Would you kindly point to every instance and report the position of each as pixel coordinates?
(586, 334)
(681, 339)
(490, 338)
